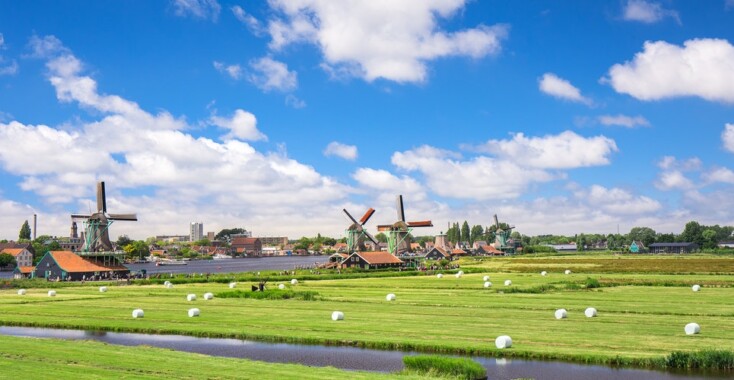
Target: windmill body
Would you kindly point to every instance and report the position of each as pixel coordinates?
(398, 233)
(96, 225)
(356, 233)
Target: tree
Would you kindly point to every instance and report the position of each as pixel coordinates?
(381, 237)
(476, 233)
(644, 234)
(6, 260)
(692, 233)
(465, 232)
(224, 234)
(202, 242)
(709, 238)
(123, 240)
(137, 249)
(25, 231)
(580, 242)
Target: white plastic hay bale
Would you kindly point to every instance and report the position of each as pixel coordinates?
(439, 275)
(485, 278)
(337, 316)
(461, 272)
(169, 285)
(561, 313)
(21, 292)
(138, 313)
(232, 285)
(692, 328)
(191, 297)
(208, 296)
(487, 284)
(503, 341)
(52, 293)
(102, 289)
(543, 273)
(193, 312)
(696, 288)
(294, 281)
(281, 286)
(590, 312)
(458, 275)
(390, 297)
(568, 271)
(508, 282)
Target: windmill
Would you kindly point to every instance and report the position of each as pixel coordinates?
(398, 233)
(96, 225)
(356, 232)
(502, 236)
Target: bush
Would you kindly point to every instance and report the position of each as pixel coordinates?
(270, 295)
(592, 283)
(704, 359)
(462, 368)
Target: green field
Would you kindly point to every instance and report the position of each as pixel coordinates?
(643, 305)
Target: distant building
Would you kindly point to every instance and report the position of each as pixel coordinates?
(247, 246)
(23, 257)
(673, 247)
(171, 238)
(437, 253)
(66, 265)
(478, 243)
(210, 235)
(371, 260)
(196, 231)
(277, 241)
(441, 241)
(563, 247)
(489, 250)
(726, 244)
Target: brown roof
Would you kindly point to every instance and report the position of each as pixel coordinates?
(441, 251)
(71, 262)
(379, 257)
(13, 251)
(244, 240)
(458, 251)
(491, 249)
(26, 270)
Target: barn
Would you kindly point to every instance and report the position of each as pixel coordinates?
(371, 260)
(66, 265)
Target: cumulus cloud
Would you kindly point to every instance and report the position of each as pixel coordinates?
(623, 121)
(252, 23)
(560, 88)
(566, 150)
(347, 152)
(648, 12)
(269, 74)
(242, 125)
(293, 101)
(6, 68)
(727, 137)
(233, 71)
(390, 40)
(618, 201)
(721, 175)
(702, 67)
(201, 9)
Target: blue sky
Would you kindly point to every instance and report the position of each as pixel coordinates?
(560, 117)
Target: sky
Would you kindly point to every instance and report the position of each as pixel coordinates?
(561, 117)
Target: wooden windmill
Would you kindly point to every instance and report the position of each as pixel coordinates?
(398, 233)
(96, 225)
(356, 232)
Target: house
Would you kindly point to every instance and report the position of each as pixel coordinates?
(13, 244)
(371, 260)
(478, 244)
(490, 250)
(338, 257)
(23, 272)
(429, 245)
(437, 253)
(563, 247)
(726, 244)
(247, 246)
(416, 247)
(341, 247)
(67, 265)
(458, 252)
(23, 257)
(637, 247)
(673, 247)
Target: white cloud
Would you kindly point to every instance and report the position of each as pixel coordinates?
(347, 152)
(293, 101)
(10, 69)
(2, 41)
(242, 125)
(391, 40)
(270, 74)
(673, 179)
(233, 71)
(672, 163)
(557, 87)
(566, 150)
(648, 12)
(252, 23)
(623, 121)
(727, 137)
(618, 201)
(721, 175)
(702, 67)
(47, 46)
(201, 9)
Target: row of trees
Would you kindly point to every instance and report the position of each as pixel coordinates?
(465, 234)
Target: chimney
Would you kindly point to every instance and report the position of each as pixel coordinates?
(35, 220)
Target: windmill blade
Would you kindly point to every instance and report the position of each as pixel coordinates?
(369, 236)
(401, 210)
(80, 216)
(349, 215)
(132, 217)
(496, 221)
(422, 223)
(384, 227)
(367, 215)
(101, 199)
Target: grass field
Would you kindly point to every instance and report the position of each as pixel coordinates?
(643, 305)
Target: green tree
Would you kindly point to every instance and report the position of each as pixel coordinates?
(580, 242)
(6, 260)
(692, 233)
(381, 237)
(202, 242)
(123, 240)
(644, 234)
(25, 231)
(225, 233)
(137, 249)
(476, 233)
(465, 232)
(709, 238)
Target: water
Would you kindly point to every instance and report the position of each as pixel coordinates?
(348, 358)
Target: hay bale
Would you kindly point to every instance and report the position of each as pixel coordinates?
(568, 271)
(590, 312)
(561, 313)
(208, 296)
(485, 278)
(439, 275)
(503, 341)
(169, 285)
(543, 273)
(191, 297)
(696, 287)
(692, 328)
(337, 316)
(193, 312)
(458, 275)
(52, 293)
(487, 284)
(294, 281)
(461, 272)
(508, 282)
(21, 292)
(138, 313)
(281, 286)
(102, 289)
(390, 297)
(232, 285)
